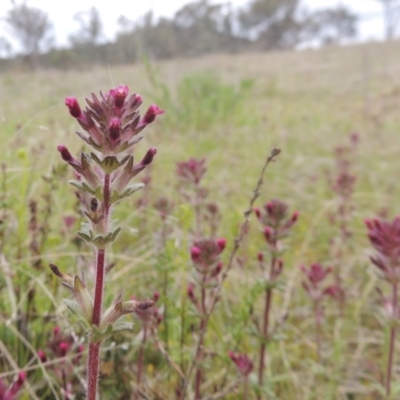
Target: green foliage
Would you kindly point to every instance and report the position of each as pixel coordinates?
(201, 100)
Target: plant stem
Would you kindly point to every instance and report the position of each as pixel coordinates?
(264, 333)
(94, 347)
(392, 340)
(140, 363)
(317, 329)
(199, 354)
(99, 287)
(93, 370)
(261, 367)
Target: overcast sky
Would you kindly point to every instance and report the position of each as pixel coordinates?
(62, 12)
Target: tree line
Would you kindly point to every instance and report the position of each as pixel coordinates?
(199, 27)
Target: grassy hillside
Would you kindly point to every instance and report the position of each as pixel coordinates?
(231, 110)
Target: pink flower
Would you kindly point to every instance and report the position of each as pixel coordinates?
(73, 105)
(242, 362)
(119, 95)
(151, 114)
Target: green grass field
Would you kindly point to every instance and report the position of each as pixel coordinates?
(232, 110)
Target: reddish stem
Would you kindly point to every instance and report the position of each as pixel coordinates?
(317, 328)
(99, 287)
(268, 300)
(94, 347)
(392, 340)
(199, 354)
(93, 370)
(140, 363)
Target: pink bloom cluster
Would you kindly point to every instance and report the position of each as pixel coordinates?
(205, 254)
(276, 221)
(112, 121)
(385, 238)
(316, 274)
(192, 170)
(242, 362)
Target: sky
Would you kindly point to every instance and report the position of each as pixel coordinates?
(62, 13)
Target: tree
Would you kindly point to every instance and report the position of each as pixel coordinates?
(31, 27)
(331, 25)
(272, 23)
(91, 28)
(391, 16)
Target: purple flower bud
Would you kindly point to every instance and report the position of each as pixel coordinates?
(63, 347)
(148, 158)
(65, 154)
(242, 362)
(73, 105)
(151, 113)
(114, 129)
(195, 254)
(42, 355)
(119, 95)
(221, 244)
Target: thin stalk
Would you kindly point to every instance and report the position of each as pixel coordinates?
(265, 327)
(199, 354)
(317, 329)
(94, 347)
(392, 340)
(140, 363)
(93, 370)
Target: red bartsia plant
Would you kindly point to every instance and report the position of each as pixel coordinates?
(276, 222)
(111, 125)
(342, 181)
(316, 275)
(11, 392)
(244, 366)
(205, 254)
(385, 238)
(150, 318)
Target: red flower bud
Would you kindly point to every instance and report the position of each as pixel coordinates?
(148, 158)
(65, 154)
(195, 253)
(42, 356)
(221, 244)
(151, 113)
(63, 347)
(217, 269)
(156, 296)
(267, 233)
(295, 216)
(270, 207)
(114, 129)
(260, 257)
(119, 95)
(73, 105)
(257, 211)
(56, 330)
